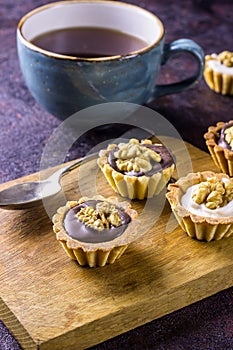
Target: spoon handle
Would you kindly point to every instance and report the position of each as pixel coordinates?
(80, 161)
(63, 171)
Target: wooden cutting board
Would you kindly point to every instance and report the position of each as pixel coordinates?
(49, 302)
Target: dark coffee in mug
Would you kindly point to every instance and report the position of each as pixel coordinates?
(89, 42)
(65, 84)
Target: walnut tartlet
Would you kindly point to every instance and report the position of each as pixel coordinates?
(137, 170)
(218, 72)
(219, 140)
(95, 231)
(203, 205)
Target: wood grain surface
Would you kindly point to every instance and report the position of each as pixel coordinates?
(49, 302)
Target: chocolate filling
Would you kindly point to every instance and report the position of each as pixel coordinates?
(84, 233)
(222, 141)
(166, 161)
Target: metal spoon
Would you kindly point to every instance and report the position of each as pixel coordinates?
(29, 194)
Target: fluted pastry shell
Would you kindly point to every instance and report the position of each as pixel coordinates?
(217, 81)
(95, 254)
(199, 227)
(134, 187)
(222, 157)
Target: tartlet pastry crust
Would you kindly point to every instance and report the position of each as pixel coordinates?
(134, 187)
(220, 82)
(95, 254)
(222, 157)
(199, 227)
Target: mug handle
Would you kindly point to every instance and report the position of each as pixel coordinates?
(180, 45)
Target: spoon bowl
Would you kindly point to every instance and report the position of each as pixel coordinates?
(29, 194)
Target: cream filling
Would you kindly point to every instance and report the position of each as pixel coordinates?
(201, 210)
(219, 67)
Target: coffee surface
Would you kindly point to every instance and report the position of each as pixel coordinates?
(88, 42)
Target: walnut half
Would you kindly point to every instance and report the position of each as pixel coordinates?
(213, 193)
(226, 58)
(104, 216)
(132, 156)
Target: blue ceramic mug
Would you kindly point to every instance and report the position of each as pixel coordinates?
(64, 84)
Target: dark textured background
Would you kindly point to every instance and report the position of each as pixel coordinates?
(25, 128)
